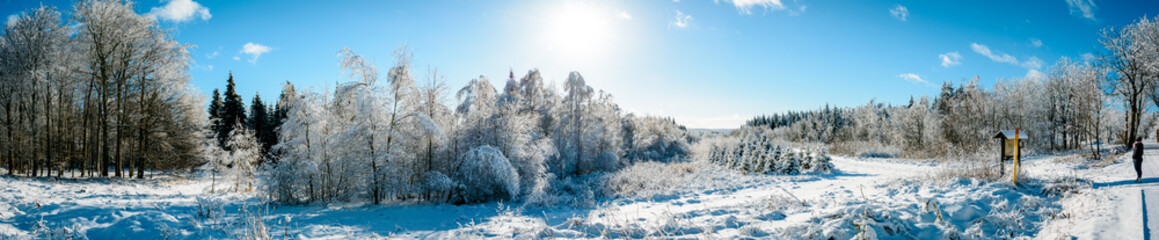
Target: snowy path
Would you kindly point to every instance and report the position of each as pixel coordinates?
(1117, 207)
(1138, 202)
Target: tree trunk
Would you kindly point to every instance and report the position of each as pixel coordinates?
(49, 161)
(119, 159)
(103, 134)
(11, 145)
(373, 171)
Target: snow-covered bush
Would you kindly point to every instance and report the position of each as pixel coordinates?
(865, 149)
(573, 191)
(485, 174)
(284, 181)
(1064, 187)
(206, 208)
(43, 230)
(436, 186)
(605, 162)
(395, 182)
(646, 179)
(652, 138)
(253, 224)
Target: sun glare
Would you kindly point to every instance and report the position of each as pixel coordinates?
(578, 30)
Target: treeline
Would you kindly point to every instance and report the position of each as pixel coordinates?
(106, 90)
(1071, 108)
(1066, 110)
(391, 139)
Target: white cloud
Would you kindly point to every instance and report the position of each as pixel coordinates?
(12, 19)
(899, 12)
(950, 59)
(799, 10)
(180, 11)
(1032, 63)
(914, 78)
(210, 67)
(254, 50)
(1087, 57)
(1085, 8)
(236, 58)
(681, 20)
(1033, 74)
(1036, 42)
(993, 55)
(624, 15)
(212, 55)
(746, 6)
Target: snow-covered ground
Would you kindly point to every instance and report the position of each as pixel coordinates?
(886, 198)
(1116, 207)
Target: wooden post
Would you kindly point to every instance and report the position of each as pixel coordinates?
(1001, 155)
(1017, 146)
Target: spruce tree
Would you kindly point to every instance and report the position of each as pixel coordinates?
(259, 122)
(281, 108)
(215, 108)
(233, 110)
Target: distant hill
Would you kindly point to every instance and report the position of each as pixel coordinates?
(711, 130)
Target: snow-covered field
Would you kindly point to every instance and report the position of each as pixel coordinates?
(886, 198)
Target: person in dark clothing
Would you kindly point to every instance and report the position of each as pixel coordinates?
(1138, 157)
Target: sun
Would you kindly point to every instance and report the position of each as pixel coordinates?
(578, 30)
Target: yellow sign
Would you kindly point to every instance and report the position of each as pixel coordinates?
(1015, 156)
(1011, 144)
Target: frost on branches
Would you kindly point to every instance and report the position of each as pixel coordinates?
(486, 175)
(395, 140)
(756, 153)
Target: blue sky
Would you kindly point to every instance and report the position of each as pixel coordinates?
(709, 64)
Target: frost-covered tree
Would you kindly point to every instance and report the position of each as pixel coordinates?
(477, 103)
(1077, 86)
(1127, 57)
(304, 172)
(108, 94)
(402, 97)
(573, 125)
(217, 161)
(517, 135)
(434, 116)
(244, 156)
(589, 127)
(31, 65)
(360, 141)
(362, 103)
